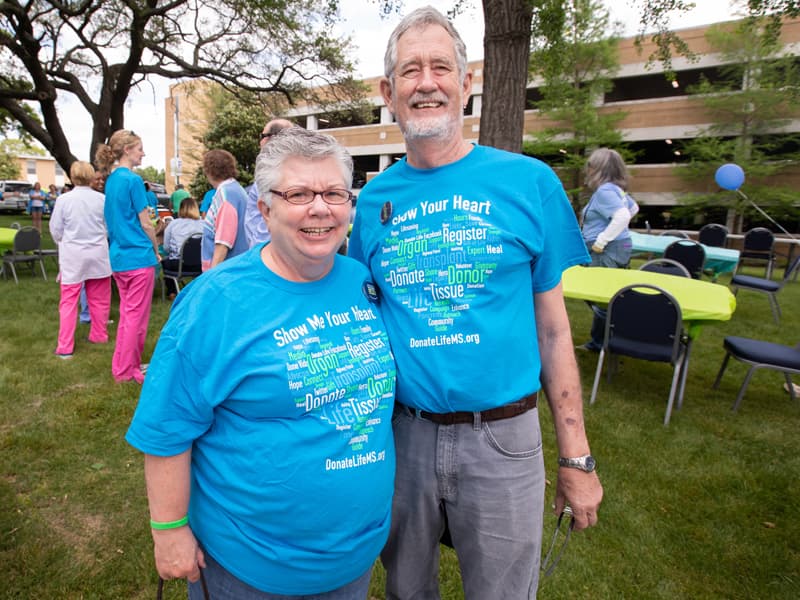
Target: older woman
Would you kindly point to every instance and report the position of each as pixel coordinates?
(79, 227)
(605, 223)
(133, 249)
(224, 234)
(266, 417)
(176, 233)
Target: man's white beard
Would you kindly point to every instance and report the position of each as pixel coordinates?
(442, 127)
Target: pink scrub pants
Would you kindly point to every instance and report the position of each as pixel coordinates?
(135, 298)
(98, 296)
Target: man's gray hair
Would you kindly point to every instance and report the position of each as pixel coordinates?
(421, 18)
(302, 143)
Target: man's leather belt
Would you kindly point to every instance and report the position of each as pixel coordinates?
(493, 414)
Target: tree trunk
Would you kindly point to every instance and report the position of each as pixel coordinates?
(506, 50)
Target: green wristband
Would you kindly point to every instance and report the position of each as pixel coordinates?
(169, 524)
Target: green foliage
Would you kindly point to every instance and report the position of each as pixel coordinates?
(9, 165)
(199, 185)
(150, 173)
(10, 150)
(714, 489)
(576, 65)
(234, 125)
(656, 16)
(789, 8)
(286, 49)
(757, 89)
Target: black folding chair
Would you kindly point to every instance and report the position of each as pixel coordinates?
(667, 266)
(689, 253)
(766, 286)
(645, 322)
(713, 234)
(189, 264)
(760, 355)
(758, 246)
(26, 250)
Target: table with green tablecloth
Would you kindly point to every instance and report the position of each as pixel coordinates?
(7, 238)
(718, 260)
(700, 301)
(6, 243)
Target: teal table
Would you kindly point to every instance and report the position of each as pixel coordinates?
(718, 260)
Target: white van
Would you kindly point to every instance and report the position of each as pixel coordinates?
(14, 195)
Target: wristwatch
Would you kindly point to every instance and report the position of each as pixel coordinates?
(584, 463)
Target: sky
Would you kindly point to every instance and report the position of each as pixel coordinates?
(145, 108)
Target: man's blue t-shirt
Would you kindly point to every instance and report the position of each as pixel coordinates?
(284, 392)
(458, 252)
(129, 247)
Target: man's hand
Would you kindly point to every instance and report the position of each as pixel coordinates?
(582, 491)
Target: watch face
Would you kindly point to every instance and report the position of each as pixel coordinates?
(590, 463)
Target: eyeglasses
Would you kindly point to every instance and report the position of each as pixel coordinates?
(265, 135)
(549, 563)
(306, 196)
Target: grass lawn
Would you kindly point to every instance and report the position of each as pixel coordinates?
(701, 509)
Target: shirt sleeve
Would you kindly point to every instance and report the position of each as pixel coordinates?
(172, 410)
(57, 223)
(355, 247)
(563, 245)
(168, 234)
(138, 194)
(227, 225)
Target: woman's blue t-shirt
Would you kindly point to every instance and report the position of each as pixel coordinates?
(284, 392)
(129, 247)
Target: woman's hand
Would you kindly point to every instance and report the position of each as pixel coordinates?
(597, 249)
(178, 554)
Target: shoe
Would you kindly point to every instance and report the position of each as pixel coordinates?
(143, 367)
(63, 356)
(86, 322)
(589, 347)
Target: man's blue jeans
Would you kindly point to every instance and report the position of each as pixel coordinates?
(488, 477)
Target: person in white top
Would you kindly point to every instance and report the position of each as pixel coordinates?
(79, 227)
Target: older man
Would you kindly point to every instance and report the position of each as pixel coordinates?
(254, 225)
(467, 244)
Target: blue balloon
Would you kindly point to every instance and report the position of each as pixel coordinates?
(730, 176)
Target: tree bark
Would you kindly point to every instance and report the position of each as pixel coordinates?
(506, 50)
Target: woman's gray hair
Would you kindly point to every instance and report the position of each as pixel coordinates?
(421, 18)
(606, 165)
(297, 142)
